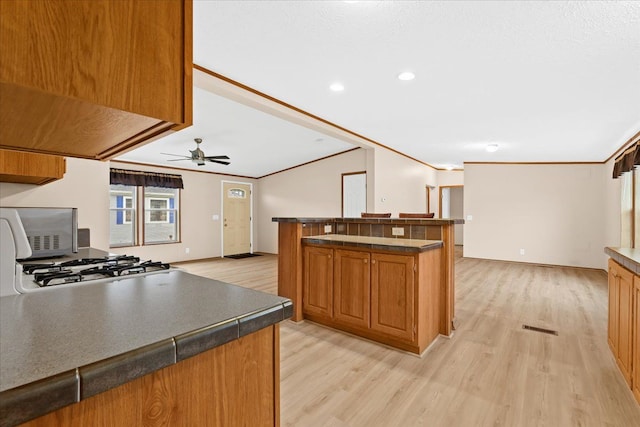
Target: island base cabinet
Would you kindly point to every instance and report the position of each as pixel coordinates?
(352, 288)
(318, 281)
(390, 298)
(392, 292)
(236, 384)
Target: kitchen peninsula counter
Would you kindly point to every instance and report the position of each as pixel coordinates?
(76, 344)
(629, 258)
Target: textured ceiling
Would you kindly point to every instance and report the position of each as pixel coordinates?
(547, 81)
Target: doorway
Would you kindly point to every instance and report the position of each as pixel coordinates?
(354, 194)
(452, 206)
(237, 204)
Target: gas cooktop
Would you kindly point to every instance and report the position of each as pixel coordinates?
(41, 274)
(85, 269)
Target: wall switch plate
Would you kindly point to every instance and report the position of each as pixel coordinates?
(187, 250)
(327, 228)
(397, 231)
(469, 217)
(215, 217)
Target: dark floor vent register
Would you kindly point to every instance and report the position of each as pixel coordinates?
(543, 330)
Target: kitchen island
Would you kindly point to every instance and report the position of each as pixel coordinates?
(162, 349)
(390, 280)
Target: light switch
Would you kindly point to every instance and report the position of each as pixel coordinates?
(469, 217)
(216, 217)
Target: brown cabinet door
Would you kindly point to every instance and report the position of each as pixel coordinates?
(625, 287)
(392, 295)
(352, 288)
(93, 78)
(318, 281)
(613, 307)
(636, 338)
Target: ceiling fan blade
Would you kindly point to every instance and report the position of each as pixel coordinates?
(216, 157)
(219, 161)
(176, 155)
(177, 160)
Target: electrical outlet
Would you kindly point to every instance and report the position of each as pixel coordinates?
(187, 250)
(327, 228)
(397, 231)
(521, 251)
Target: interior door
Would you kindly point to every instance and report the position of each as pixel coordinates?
(236, 218)
(354, 194)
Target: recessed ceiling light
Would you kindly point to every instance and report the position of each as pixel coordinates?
(336, 87)
(492, 148)
(406, 76)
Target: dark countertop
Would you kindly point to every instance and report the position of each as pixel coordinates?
(626, 257)
(416, 221)
(67, 344)
(380, 243)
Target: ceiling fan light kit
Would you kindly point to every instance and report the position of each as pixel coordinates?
(198, 156)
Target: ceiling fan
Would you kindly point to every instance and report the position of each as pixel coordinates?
(198, 157)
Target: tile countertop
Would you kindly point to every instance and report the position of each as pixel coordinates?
(626, 257)
(72, 343)
(383, 243)
(415, 221)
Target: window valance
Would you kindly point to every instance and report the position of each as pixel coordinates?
(626, 161)
(145, 179)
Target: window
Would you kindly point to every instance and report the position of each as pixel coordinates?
(154, 220)
(161, 214)
(122, 215)
(630, 209)
(237, 193)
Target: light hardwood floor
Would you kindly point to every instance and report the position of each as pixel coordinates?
(490, 373)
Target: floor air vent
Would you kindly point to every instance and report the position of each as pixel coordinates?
(543, 330)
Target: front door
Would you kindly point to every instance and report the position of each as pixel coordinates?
(236, 218)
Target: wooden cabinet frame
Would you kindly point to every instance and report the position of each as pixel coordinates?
(385, 296)
(236, 384)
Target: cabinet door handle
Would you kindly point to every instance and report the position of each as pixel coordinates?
(365, 260)
(329, 256)
(373, 261)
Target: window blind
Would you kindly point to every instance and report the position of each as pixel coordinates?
(626, 161)
(145, 179)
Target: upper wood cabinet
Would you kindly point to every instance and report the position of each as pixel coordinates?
(93, 78)
(30, 168)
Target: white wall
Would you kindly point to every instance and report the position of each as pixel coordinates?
(444, 178)
(456, 201)
(554, 212)
(400, 183)
(314, 190)
(611, 205)
(200, 200)
(85, 186)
